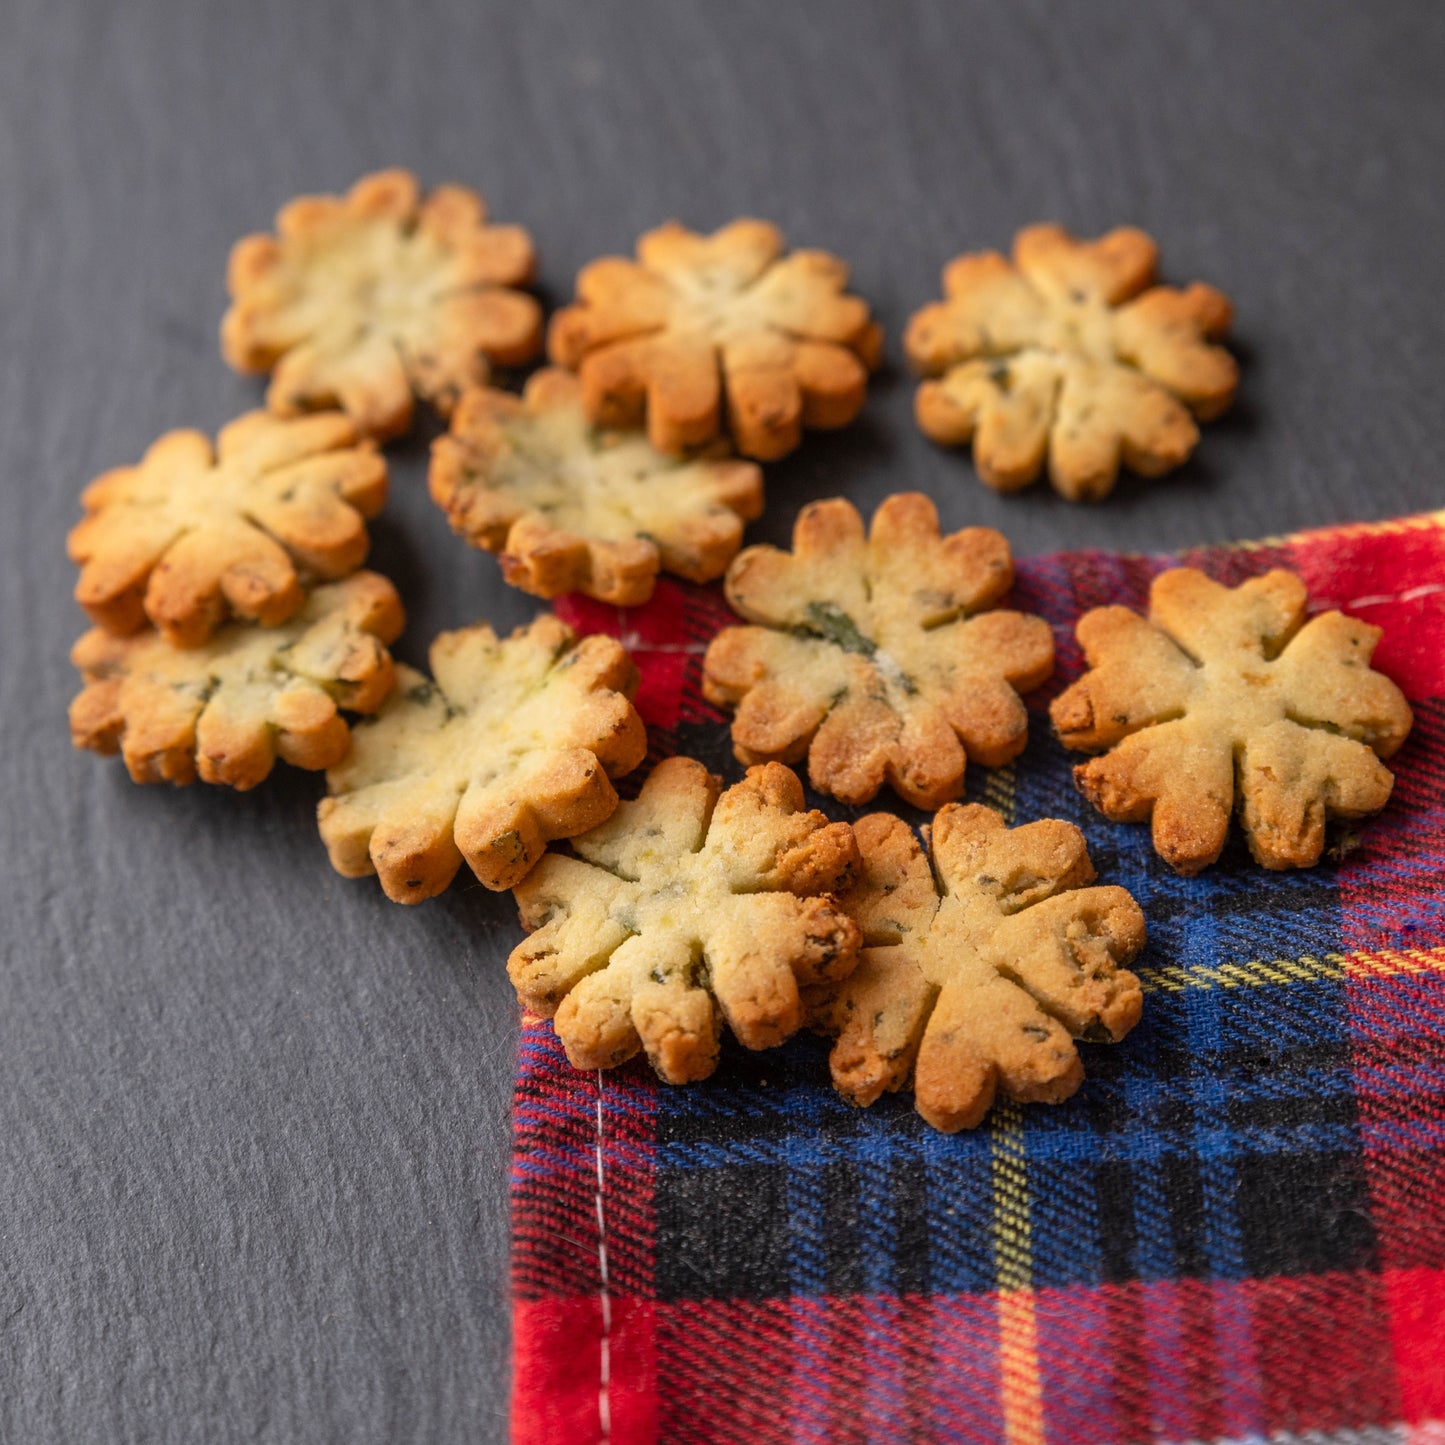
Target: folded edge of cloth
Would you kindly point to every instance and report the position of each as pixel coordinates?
(1235, 1230)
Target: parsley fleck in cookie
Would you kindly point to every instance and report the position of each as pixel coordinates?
(686, 905)
(513, 744)
(981, 971)
(1228, 696)
(575, 509)
(225, 711)
(879, 657)
(1070, 352)
(193, 535)
(696, 319)
(367, 300)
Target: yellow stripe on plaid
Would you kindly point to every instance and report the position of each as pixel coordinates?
(1307, 968)
(1012, 1239)
(1020, 1392)
(998, 791)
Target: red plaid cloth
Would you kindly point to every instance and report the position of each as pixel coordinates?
(1235, 1230)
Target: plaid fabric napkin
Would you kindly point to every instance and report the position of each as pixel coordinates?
(1235, 1230)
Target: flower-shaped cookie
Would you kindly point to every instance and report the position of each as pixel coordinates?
(191, 535)
(982, 971)
(1069, 351)
(683, 905)
(1225, 695)
(575, 509)
(877, 657)
(366, 300)
(696, 318)
(512, 745)
(225, 711)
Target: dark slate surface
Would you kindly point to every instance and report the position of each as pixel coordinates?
(253, 1120)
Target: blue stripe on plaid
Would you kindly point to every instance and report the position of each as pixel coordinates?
(1187, 1249)
(874, 1139)
(1252, 1197)
(1223, 1137)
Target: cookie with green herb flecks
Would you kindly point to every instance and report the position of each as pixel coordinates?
(226, 710)
(688, 907)
(1227, 698)
(879, 657)
(699, 329)
(195, 534)
(513, 742)
(574, 508)
(981, 970)
(369, 300)
(1069, 354)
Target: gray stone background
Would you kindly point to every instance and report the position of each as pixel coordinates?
(254, 1121)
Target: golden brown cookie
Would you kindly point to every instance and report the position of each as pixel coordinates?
(879, 657)
(981, 972)
(686, 908)
(225, 711)
(1070, 352)
(193, 535)
(367, 300)
(1224, 696)
(572, 508)
(512, 745)
(699, 319)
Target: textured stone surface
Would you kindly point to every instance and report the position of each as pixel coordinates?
(254, 1118)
